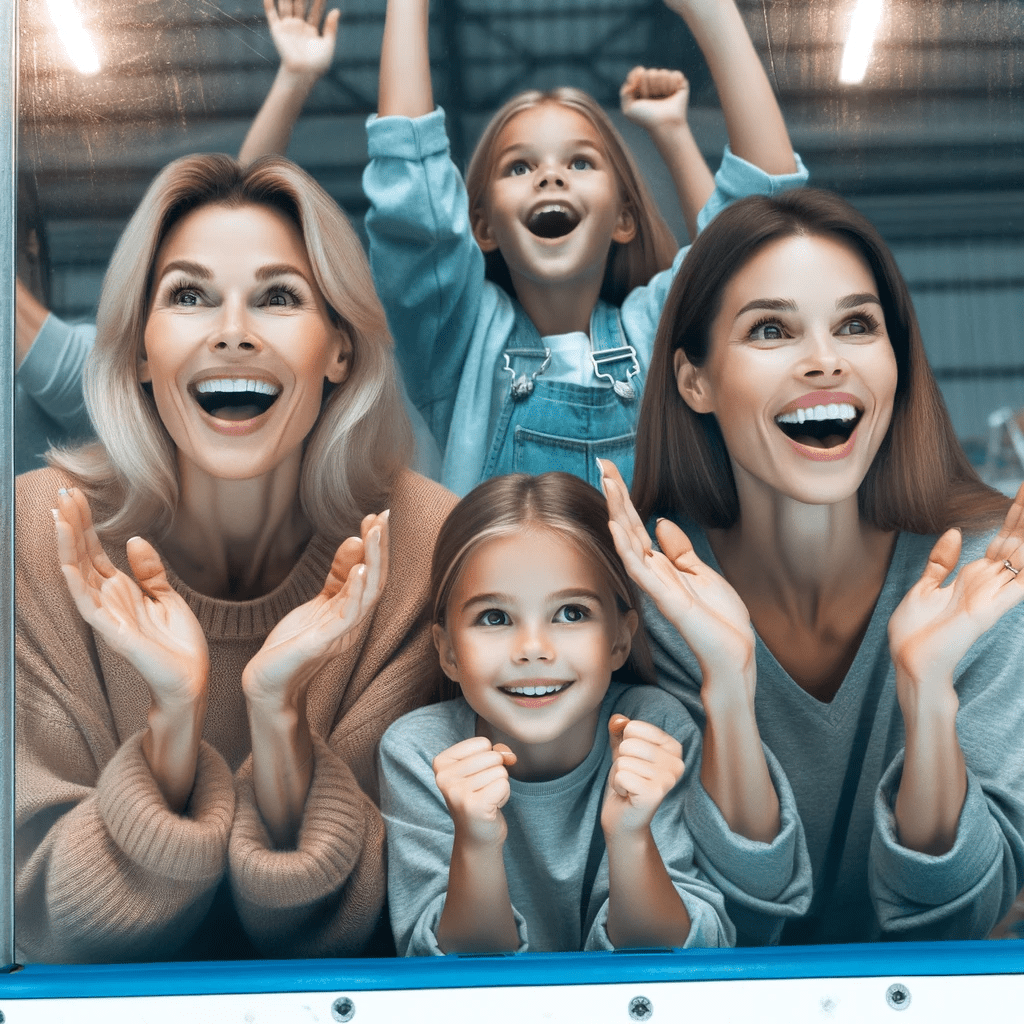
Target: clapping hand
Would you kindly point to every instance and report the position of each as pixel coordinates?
(311, 635)
(935, 625)
(708, 613)
(144, 619)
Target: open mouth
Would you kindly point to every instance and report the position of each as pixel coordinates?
(235, 398)
(820, 426)
(552, 221)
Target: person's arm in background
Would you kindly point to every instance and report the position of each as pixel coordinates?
(757, 130)
(656, 99)
(306, 50)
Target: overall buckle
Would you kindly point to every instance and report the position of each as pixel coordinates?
(622, 388)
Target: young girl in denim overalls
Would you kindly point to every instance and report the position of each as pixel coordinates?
(524, 303)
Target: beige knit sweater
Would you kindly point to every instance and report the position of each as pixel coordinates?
(105, 870)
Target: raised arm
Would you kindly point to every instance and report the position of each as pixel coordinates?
(405, 87)
(656, 99)
(306, 51)
(757, 131)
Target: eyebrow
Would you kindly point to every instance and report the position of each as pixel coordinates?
(571, 143)
(560, 595)
(264, 273)
(789, 306)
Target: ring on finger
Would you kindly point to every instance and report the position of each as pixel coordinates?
(1006, 565)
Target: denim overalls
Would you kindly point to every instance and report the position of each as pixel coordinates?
(547, 425)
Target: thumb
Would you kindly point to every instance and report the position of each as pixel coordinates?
(146, 567)
(616, 726)
(943, 558)
(507, 757)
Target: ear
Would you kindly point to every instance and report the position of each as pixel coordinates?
(692, 384)
(628, 624)
(482, 231)
(341, 360)
(445, 652)
(625, 228)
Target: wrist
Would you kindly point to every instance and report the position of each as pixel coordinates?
(927, 704)
(297, 82)
(729, 696)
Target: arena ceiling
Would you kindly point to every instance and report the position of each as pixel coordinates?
(931, 144)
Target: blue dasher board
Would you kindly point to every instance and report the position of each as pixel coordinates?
(934, 982)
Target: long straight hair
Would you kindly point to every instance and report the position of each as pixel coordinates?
(362, 438)
(920, 480)
(558, 502)
(630, 264)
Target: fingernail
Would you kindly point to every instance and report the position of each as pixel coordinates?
(386, 514)
(660, 519)
(53, 512)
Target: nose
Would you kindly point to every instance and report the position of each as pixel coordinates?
(232, 332)
(548, 176)
(532, 643)
(824, 359)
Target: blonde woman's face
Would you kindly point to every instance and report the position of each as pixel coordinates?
(238, 341)
(553, 204)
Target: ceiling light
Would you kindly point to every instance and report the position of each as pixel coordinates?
(73, 35)
(857, 51)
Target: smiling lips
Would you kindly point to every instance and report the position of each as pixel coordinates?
(535, 695)
(822, 425)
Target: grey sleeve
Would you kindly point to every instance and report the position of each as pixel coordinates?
(420, 834)
(764, 883)
(963, 893)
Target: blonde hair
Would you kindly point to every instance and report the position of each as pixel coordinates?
(630, 264)
(558, 502)
(362, 438)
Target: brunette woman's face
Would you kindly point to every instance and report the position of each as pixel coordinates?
(800, 372)
(553, 205)
(238, 340)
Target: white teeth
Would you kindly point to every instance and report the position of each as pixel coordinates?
(534, 691)
(552, 208)
(231, 384)
(832, 411)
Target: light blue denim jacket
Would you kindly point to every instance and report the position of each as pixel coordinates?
(453, 328)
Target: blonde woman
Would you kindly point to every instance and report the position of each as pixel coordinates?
(201, 696)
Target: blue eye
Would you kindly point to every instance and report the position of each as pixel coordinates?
(185, 295)
(767, 330)
(519, 167)
(571, 613)
(581, 164)
(494, 617)
(281, 295)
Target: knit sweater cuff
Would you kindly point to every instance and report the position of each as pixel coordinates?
(909, 877)
(771, 877)
(329, 846)
(187, 847)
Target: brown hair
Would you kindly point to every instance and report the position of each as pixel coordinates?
(631, 264)
(559, 502)
(920, 480)
(362, 438)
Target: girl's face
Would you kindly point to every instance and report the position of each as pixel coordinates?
(553, 206)
(532, 636)
(238, 341)
(800, 373)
